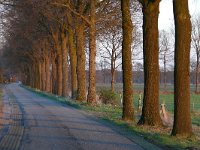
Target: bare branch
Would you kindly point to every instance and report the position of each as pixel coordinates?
(74, 12)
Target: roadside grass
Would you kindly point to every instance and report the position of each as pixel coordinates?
(196, 118)
(158, 136)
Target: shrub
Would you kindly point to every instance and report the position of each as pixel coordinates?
(109, 97)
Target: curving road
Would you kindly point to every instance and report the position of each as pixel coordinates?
(33, 122)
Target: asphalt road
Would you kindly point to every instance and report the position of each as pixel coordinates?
(43, 124)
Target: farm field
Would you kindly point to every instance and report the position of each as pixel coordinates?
(166, 97)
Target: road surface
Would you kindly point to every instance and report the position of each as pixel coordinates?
(33, 122)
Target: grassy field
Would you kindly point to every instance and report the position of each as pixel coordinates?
(155, 135)
(165, 97)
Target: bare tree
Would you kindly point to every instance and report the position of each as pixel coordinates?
(196, 47)
(110, 51)
(165, 53)
(138, 70)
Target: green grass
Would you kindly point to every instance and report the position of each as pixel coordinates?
(157, 136)
(167, 98)
(196, 120)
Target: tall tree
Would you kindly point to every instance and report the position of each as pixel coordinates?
(57, 46)
(81, 75)
(150, 112)
(48, 71)
(182, 119)
(127, 28)
(79, 11)
(64, 47)
(91, 98)
(72, 54)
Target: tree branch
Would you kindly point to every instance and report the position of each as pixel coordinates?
(74, 12)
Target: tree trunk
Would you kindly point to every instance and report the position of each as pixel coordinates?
(59, 73)
(43, 75)
(34, 75)
(91, 98)
(57, 46)
(73, 62)
(182, 119)
(27, 73)
(197, 76)
(165, 74)
(150, 112)
(31, 72)
(113, 71)
(81, 75)
(54, 74)
(64, 64)
(48, 75)
(38, 76)
(112, 79)
(127, 27)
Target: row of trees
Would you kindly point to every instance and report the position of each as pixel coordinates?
(55, 27)
(47, 40)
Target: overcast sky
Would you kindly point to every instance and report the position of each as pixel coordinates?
(166, 12)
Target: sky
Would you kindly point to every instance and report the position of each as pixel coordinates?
(166, 20)
(166, 12)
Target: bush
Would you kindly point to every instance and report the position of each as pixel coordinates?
(109, 97)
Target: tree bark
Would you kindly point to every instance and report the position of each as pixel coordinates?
(91, 98)
(54, 73)
(59, 73)
(165, 74)
(64, 64)
(127, 28)
(59, 59)
(31, 72)
(43, 75)
(197, 75)
(113, 70)
(34, 75)
(73, 61)
(48, 75)
(81, 75)
(182, 119)
(112, 79)
(40, 75)
(150, 112)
